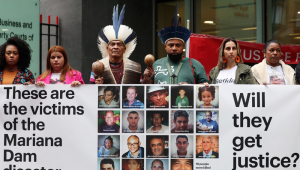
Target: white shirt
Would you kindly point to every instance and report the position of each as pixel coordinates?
(226, 76)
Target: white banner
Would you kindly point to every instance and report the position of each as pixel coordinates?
(228, 127)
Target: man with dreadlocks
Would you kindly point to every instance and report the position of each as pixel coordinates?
(116, 42)
(175, 68)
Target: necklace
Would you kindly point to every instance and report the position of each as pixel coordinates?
(10, 69)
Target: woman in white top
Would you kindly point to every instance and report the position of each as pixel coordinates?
(230, 68)
(272, 70)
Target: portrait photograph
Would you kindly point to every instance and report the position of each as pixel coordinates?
(108, 97)
(157, 97)
(182, 121)
(108, 146)
(207, 97)
(182, 97)
(133, 97)
(157, 164)
(207, 121)
(109, 121)
(182, 146)
(157, 121)
(155, 146)
(132, 164)
(133, 121)
(179, 164)
(276, 79)
(133, 146)
(108, 163)
(207, 146)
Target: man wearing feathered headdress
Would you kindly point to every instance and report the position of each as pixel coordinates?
(175, 68)
(116, 42)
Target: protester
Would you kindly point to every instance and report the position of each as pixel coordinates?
(58, 70)
(116, 43)
(230, 68)
(15, 56)
(298, 72)
(175, 68)
(272, 66)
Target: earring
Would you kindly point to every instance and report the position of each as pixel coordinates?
(224, 60)
(237, 59)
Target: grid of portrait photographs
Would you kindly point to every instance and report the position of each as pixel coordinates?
(156, 127)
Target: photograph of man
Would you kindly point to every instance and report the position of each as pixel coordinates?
(133, 93)
(109, 122)
(108, 97)
(108, 149)
(184, 145)
(156, 146)
(157, 164)
(180, 164)
(132, 164)
(157, 96)
(207, 122)
(208, 146)
(108, 164)
(275, 79)
(133, 121)
(134, 148)
(157, 122)
(181, 121)
(182, 96)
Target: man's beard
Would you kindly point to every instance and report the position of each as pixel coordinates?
(175, 58)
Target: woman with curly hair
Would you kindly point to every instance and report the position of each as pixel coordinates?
(230, 68)
(58, 70)
(15, 56)
(206, 94)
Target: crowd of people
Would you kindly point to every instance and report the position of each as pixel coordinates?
(117, 42)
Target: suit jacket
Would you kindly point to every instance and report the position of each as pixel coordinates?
(214, 155)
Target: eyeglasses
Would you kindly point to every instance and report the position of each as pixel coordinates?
(132, 144)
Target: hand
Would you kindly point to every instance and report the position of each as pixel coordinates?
(75, 83)
(99, 80)
(40, 83)
(206, 84)
(27, 83)
(183, 83)
(148, 73)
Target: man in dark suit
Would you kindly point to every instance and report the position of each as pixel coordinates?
(207, 151)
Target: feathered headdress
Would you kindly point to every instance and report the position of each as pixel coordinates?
(117, 32)
(174, 32)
